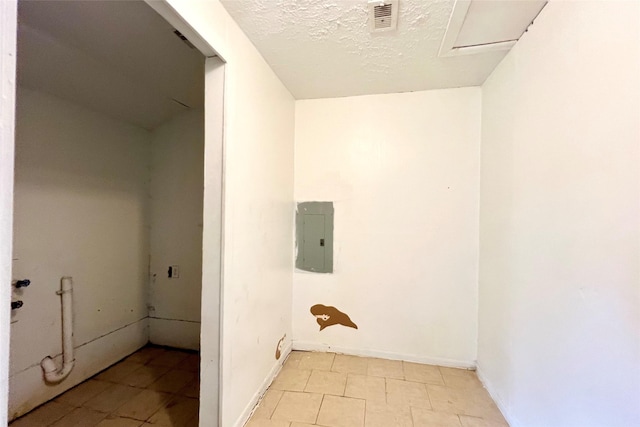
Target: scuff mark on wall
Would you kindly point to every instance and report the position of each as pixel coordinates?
(329, 316)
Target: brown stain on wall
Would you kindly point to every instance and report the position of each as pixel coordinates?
(279, 347)
(329, 316)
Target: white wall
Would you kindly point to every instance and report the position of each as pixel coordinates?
(177, 183)
(81, 201)
(402, 171)
(8, 17)
(559, 316)
(258, 216)
(259, 114)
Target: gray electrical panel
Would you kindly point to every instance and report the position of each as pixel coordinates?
(314, 236)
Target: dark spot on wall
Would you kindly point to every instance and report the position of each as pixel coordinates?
(329, 316)
(279, 347)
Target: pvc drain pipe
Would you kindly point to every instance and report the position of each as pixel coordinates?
(51, 373)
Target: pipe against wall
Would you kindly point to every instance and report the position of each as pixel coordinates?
(51, 373)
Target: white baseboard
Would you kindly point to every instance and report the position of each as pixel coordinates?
(253, 403)
(28, 389)
(314, 346)
(496, 398)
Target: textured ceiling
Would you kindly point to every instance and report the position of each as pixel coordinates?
(118, 58)
(323, 48)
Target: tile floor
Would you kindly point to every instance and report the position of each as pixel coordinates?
(333, 390)
(152, 387)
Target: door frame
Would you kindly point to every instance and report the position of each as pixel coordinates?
(8, 48)
(213, 214)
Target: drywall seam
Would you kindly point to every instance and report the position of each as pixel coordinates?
(314, 346)
(253, 403)
(496, 398)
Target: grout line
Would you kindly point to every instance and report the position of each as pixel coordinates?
(274, 407)
(442, 376)
(306, 383)
(315, 421)
(428, 396)
(386, 401)
(365, 412)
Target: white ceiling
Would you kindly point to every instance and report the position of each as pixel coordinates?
(322, 48)
(119, 58)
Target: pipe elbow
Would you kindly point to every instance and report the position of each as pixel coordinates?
(51, 374)
(48, 365)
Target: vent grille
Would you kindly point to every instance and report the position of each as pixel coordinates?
(383, 15)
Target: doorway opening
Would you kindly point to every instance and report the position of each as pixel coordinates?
(118, 184)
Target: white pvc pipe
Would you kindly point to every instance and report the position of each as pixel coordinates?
(51, 373)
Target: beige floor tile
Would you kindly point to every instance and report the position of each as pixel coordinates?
(112, 398)
(145, 375)
(261, 422)
(119, 372)
(364, 387)
(385, 368)
(293, 360)
(169, 358)
(173, 381)
(341, 412)
(291, 379)
(44, 415)
(177, 413)
(267, 404)
(401, 392)
(143, 405)
(300, 407)
(192, 389)
(463, 401)
(113, 421)
(326, 382)
(316, 360)
(145, 354)
(422, 373)
(350, 364)
(384, 415)
(460, 378)
(392, 394)
(427, 418)
(469, 421)
(81, 393)
(80, 417)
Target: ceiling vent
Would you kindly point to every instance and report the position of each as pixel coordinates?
(383, 15)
